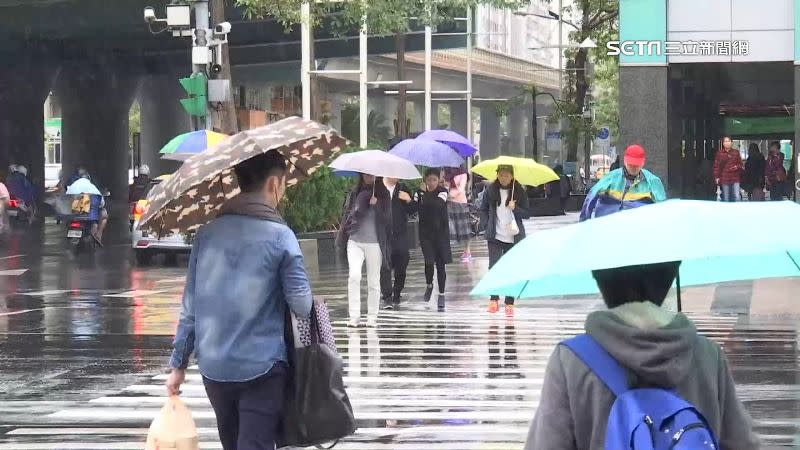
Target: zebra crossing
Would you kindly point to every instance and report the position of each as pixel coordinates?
(422, 380)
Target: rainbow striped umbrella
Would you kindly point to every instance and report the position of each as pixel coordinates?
(181, 147)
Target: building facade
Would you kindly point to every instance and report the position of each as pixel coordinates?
(692, 71)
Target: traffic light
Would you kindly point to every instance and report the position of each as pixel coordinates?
(196, 86)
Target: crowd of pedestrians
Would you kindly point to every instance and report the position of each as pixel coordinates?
(238, 292)
(755, 175)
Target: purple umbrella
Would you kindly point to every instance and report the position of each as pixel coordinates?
(428, 153)
(456, 141)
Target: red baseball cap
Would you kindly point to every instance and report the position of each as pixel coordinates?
(634, 155)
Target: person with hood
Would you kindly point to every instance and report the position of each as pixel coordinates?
(628, 187)
(20, 187)
(234, 308)
(728, 171)
(503, 207)
(775, 172)
(402, 205)
(753, 178)
(656, 348)
(365, 235)
(434, 233)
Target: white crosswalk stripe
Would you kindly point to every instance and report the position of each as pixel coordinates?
(458, 380)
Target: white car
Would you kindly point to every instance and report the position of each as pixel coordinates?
(147, 245)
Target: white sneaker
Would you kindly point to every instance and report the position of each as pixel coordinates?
(372, 322)
(353, 323)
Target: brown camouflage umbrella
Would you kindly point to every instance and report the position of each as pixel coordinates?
(191, 197)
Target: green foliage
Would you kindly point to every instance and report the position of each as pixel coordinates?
(606, 81)
(382, 16)
(316, 204)
(378, 132)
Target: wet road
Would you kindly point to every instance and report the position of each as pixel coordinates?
(83, 344)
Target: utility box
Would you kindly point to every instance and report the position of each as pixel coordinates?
(219, 91)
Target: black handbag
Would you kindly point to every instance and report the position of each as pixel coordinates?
(318, 410)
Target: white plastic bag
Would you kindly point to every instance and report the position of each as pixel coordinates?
(513, 228)
(173, 428)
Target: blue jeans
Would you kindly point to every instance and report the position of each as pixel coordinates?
(249, 413)
(730, 192)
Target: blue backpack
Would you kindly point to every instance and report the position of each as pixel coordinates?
(643, 419)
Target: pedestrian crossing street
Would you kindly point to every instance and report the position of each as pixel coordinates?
(462, 379)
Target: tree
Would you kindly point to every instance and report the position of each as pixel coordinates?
(599, 22)
(383, 17)
(606, 83)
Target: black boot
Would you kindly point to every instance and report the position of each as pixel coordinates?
(440, 303)
(388, 304)
(428, 293)
(396, 301)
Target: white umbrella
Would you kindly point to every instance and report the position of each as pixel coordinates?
(377, 163)
(82, 186)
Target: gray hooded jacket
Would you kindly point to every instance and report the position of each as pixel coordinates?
(660, 349)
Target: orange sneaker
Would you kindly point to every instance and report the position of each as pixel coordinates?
(493, 306)
(509, 310)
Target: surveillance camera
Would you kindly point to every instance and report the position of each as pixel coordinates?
(223, 28)
(149, 14)
(216, 69)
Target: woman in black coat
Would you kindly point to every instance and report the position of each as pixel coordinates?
(504, 206)
(434, 233)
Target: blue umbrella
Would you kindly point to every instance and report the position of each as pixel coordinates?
(559, 261)
(457, 142)
(428, 153)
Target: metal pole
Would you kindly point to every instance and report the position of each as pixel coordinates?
(202, 28)
(560, 49)
(362, 79)
(428, 57)
(469, 76)
(469, 94)
(305, 57)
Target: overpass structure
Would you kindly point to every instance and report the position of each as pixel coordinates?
(95, 57)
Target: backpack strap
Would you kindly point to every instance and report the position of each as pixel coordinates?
(600, 362)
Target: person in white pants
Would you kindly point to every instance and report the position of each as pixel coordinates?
(365, 226)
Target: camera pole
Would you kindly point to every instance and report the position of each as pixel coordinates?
(201, 42)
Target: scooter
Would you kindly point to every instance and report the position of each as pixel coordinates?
(18, 211)
(80, 231)
(82, 228)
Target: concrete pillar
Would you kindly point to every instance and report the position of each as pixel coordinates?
(644, 114)
(490, 133)
(459, 117)
(24, 86)
(162, 118)
(96, 100)
(517, 131)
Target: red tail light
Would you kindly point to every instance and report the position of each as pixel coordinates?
(75, 225)
(13, 203)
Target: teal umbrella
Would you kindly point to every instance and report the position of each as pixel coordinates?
(716, 242)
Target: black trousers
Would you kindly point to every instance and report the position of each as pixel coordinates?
(496, 251)
(249, 414)
(441, 275)
(399, 260)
